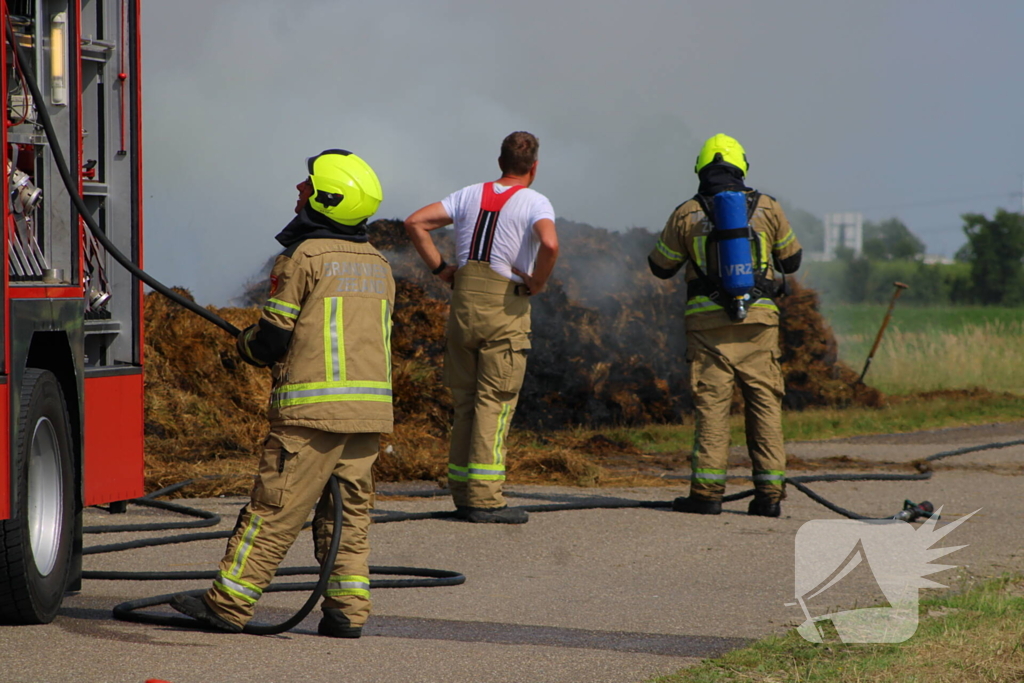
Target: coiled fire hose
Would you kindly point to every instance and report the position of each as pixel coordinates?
(127, 611)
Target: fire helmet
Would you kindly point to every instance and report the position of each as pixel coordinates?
(722, 148)
(345, 188)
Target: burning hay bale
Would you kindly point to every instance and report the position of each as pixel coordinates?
(608, 349)
(610, 341)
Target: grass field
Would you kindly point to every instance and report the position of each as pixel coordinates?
(935, 347)
(963, 636)
(901, 415)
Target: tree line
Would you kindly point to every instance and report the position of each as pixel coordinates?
(988, 269)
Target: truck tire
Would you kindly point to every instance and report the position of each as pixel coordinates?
(36, 543)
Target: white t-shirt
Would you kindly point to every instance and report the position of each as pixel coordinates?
(514, 243)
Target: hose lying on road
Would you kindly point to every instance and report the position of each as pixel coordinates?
(424, 577)
(798, 482)
(127, 611)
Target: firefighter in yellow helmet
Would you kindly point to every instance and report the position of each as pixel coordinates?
(326, 331)
(732, 336)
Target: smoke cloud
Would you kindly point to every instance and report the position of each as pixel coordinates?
(842, 106)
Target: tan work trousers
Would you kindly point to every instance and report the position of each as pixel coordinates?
(294, 471)
(484, 366)
(747, 354)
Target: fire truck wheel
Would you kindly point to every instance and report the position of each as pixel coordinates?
(36, 543)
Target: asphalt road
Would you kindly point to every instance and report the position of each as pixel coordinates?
(581, 597)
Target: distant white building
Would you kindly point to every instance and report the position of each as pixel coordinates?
(843, 230)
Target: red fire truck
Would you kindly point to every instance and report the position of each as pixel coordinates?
(71, 381)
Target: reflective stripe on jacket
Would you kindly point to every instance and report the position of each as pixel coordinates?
(336, 297)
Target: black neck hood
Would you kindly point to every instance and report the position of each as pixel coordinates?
(309, 224)
(720, 177)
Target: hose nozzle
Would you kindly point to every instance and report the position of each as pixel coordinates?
(912, 511)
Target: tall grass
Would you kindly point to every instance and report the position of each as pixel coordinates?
(985, 355)
(865, 318)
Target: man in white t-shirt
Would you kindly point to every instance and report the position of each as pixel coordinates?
(506, 247)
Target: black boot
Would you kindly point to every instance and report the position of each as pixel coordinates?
(697, 506)
(335, 624)
(763, 507)
(200, 611)
(502, 515)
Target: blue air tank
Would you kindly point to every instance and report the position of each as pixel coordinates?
(735, 262)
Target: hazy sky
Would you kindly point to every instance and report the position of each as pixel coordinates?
(910, 108)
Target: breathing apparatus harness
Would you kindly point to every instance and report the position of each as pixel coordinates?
(734, 291)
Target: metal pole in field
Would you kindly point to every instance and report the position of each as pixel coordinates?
(881, 330)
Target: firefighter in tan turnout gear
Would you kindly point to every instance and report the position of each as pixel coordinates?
(731, 339)
(506, 249)
(326, 329)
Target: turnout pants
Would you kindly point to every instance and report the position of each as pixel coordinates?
(484, 366)
(747, 354)
(294, 471)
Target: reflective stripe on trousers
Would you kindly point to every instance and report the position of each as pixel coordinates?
(707, 475)
(499, 435)
(240, 589)
(229, 581)
(348, 585)
(476, 472)
(245, 545)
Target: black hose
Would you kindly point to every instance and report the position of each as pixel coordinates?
(71, 183)
(798, 482)
(128, 611)
(426, 578)
(205, 519)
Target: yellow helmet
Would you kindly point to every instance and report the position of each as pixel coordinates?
(345, 188)
(722, 148)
